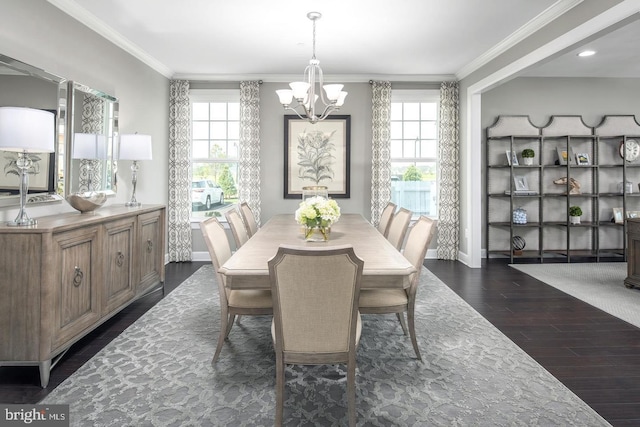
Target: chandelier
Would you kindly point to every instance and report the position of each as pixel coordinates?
(305, 92)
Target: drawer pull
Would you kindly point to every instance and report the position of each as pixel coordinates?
(149, 245)
(77, 278)
(119, 259)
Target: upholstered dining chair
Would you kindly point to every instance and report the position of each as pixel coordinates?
(238, 229)
(398, 227)
(399, 301)
(315, 319)
(249, 219)
(385, 218)
(232, 302)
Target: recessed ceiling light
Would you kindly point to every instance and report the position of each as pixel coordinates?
(587, 53)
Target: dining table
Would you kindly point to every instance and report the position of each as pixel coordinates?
(384, 265)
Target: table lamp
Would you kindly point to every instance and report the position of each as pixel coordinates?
(134, 147)
(89, 147)
(25, 131)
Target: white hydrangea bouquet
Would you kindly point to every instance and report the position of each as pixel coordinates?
(317, 214)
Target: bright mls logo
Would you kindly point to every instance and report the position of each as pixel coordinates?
(34, 415)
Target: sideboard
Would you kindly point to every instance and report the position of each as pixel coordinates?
(70, 273)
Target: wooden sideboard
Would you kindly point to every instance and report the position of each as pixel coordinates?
(71, 272)
(633, 254)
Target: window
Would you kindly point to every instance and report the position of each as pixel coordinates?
(414, 150)
(215, 138)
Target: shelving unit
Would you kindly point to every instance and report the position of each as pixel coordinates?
(548, 232)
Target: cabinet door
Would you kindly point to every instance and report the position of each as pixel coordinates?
(119, 283)
(77, 268)
(151, 249)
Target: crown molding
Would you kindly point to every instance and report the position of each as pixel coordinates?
(333, 78)
(545, 17)
(81, 15)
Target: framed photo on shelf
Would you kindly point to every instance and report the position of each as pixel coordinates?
(583, 159)
(633, 214)
(512, 158)
(520, 183)
(564, 156)
(618, 217)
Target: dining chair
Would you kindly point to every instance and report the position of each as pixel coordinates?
(315, 318)
(385, 218)
(232, 302)
(398, 227)
(399, 301)
(249, 219)
(238, 229)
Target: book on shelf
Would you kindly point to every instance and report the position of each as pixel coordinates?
(521, 192)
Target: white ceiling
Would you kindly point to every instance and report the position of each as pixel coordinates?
(355, 39)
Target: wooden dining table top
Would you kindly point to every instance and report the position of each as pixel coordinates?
(384, 265)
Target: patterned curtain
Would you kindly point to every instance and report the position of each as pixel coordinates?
(249, 162)
(449, 173)
(179, 210)
(92, 122)
(381, 150)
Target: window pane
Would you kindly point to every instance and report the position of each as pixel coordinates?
(396, 111)
(232, 151)
(409, 148)
(413, 186)
(218, 111)
(200, 149)
(200, 111)
(429, 148)
(200, 130)
(218, 130)
(429, 111)
(411, 130)
(429, 130)
(234, 130)
(396, 149)
(234, 111)
(214, 184)
(396, 130)
(411, 111)
(218, 150)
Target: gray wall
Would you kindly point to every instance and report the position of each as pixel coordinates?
(37, 33)
(541, 98)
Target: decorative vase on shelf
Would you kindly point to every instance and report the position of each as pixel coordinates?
(528, 161)
(519, 216)
(316, 214)
(574, 220)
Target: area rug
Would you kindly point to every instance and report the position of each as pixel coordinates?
(599, 284)
(158, 372)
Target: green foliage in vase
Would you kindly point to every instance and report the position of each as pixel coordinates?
(315, 156)
(575, 211)
(528, 152)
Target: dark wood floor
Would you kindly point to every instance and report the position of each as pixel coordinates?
(594, 354)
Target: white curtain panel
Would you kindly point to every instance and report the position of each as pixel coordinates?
(381, 150)
(179, 210)
(249, 162)
(449, 173)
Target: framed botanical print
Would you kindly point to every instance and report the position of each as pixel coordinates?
(317, 154)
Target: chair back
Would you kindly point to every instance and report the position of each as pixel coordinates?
(315, 298)
(220, 251)
(417, 245)
(238, 229)
(385, 218)
(398, 227)
(249, 219)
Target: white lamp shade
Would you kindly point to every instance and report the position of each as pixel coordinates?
(135, 147)
(27, 130)
(299, 89)
(341, 97)
(285, 95)
(89, 146)
(333, 91)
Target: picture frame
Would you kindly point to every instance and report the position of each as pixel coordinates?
(564, 156)
(583, 159)
(41, 175)
(512, 158)
(317, 154)
(633, 214)
(618, 217)
(520, 183)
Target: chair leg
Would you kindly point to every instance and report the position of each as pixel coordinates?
(224, 331)
(412, 331)
(280, 377)
(402, 323)
(351, 391)
(232, 317)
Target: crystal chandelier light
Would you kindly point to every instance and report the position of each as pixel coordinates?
(305, 92)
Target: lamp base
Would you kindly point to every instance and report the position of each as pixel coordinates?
(133, 204)
(22, 222)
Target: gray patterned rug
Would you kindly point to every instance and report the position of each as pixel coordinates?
(600, 284)
(158, 372)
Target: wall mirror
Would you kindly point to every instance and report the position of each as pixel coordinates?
(22, 85)
(93, 123)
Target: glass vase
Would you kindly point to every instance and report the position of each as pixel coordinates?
(315, 191)
(317, 234)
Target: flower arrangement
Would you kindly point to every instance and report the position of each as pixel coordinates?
(317, 213)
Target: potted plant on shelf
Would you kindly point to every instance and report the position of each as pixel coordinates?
(574, 214)
(527, 156)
